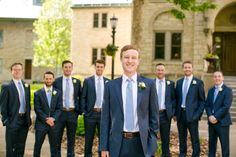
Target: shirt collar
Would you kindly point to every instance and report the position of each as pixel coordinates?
(46, 88)
(65, 77)
(133, 78)
(164, 79)
(96, 77)
(219, 86)
(189, 77)
(16, 81)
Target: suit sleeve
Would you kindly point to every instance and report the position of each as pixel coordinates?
(58, 108)
(207, 104)
(153, 121)
(173, 97)
(219, 114)
(84, 96)
(105, 120)
(38, 108)
(201, 101)
(4, 96)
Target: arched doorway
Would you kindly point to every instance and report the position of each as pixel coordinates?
(225, 38)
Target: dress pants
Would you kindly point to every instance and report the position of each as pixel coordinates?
(192, 127)
(165, 133)
(91, 122)
(68, 120)
(16, 138)
(222, 132)
(39, 139)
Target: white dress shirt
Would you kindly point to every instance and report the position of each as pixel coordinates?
(102, 89)
(71, 91)
(190, 78)
(162, 96)
(18, 90)
(135, 95)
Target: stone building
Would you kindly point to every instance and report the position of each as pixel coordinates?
(163, 38)
(91, 32)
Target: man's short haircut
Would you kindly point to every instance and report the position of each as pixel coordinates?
(49, 73)
(219, 72)
(128, 47)
(187, 62)
(158, 64)
(14, 64)
(100, 61)
(65, 62)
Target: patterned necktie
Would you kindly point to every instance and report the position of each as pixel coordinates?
(160, 93)
(22, 98)
(129, 110)
(49, 97)
(185, 91)
(99, 93)
(215, 94)
(67, 94)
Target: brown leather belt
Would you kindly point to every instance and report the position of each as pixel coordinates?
(21, 114)
(97, 109)
(183, 109)
(68, 109)
(163, 110)
(130, 135)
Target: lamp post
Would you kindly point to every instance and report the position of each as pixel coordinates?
(113, 21)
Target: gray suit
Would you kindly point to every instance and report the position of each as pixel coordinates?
(112, 120)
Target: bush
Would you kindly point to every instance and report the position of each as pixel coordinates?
(34, 88)
(80, 127)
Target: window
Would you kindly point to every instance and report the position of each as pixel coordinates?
(98, 54)
(95, 20)
(168, 45)
(1, 65)
(1, 38)
(176, 46)
(104, 20)
(38, 2)
(160, 46)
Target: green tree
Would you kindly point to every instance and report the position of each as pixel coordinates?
(53, 30)
(190, 5)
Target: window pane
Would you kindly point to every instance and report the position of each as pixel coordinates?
(103, 55)
(176, 46)
(160, 46)
(94, 55)
(1, 38)
(104, 20)
(95, 20)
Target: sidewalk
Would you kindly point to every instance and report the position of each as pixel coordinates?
(45, 152)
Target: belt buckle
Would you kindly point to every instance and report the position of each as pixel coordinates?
(128, 135)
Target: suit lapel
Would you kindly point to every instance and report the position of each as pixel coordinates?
(218, 95)
(45, 99)
(15, 91)
(93, 83)
(119, 93)
(139, 95)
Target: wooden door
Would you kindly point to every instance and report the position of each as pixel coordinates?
(28, 68)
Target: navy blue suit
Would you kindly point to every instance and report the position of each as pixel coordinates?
(188, 118)
(91, 118)
(16, 125)
(112, 119)
(68, 119)
(43, 111)
(220, 109)
(166, 115)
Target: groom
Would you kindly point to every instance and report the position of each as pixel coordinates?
(129, 119)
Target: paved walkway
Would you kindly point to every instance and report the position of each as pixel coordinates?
(46, 152)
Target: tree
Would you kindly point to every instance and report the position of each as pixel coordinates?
(190, 5)
(53, 29)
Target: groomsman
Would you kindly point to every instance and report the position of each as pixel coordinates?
(218, 103)
(167, 103)
(129, 121)
(47, 106)
(71, 90)
(92, 98)
(189, 109)
(15, 110)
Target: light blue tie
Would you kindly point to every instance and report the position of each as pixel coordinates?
(22, 98)
(129, 110)
(99, 93)
(185, 91)
(67, 94)
(49, 97)
(215, 94)
(160, 93)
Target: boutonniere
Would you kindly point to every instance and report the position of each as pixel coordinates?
(194, 82)
(26, 85)
(141, 85)
(220, 89)
(168, 82)
(106, 81)
(54, 92)
(74, 80)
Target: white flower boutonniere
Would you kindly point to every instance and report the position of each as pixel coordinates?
(141, 85)
(54, 92)
(106, 81)
(26, 85)
(74, 80)
(194, 82)
(168, 82)
(220, 89)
